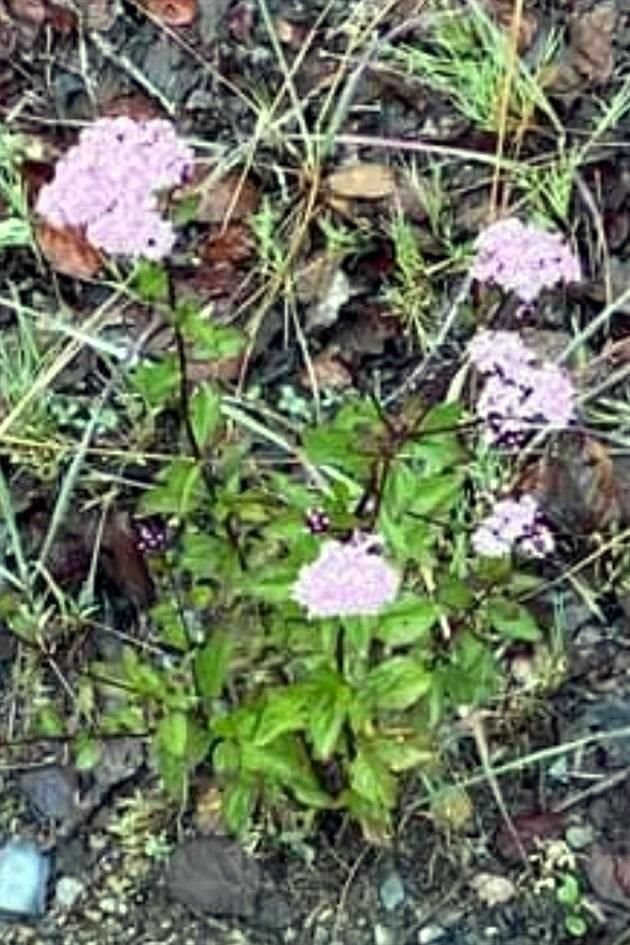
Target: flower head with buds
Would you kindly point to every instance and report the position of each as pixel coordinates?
(513, 524)
(523, 259)
(347, 579)
(108, 185)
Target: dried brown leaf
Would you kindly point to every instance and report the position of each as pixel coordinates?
(576, 483)
(232, 244)
(329, 370)
(362, 182)
(591, 36)
(171, 12)
(502, 12)
(530, 827)
(239, 197)
(124, 563)
(68, 251)
(609, 875)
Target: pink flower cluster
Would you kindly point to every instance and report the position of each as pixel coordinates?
(519, 394)
(347, 579)
(513, 524)
(523, 259)
(108, 184)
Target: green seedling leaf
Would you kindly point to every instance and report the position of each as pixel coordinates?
(512, 620)
(87, 753)
(150, 281)
(211, 665)
(568, 893)
(157, 382)
(437, 493)
(455, 594)
(402, 753)
(205, 413)
(397, 683)
(179, 492)
(407, 621)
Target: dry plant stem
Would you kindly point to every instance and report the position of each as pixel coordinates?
(475, 723)
(505, 100)
(594, 790)
(344, 102)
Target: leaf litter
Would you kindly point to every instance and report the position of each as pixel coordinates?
(351, 333)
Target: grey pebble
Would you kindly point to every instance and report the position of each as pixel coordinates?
(392, 891)
(67, 891)
(24, 872)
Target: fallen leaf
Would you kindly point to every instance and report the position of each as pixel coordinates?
(214, 875)
(208, 809)
(530, 828)
(502, 12)
(240, 22)
(232, 244)
(28, 11)
(362, 182)
(68, 251)
(452, 809)
(171, 12)
(136, 106)
(329, 370)
(8, 36)
(61, 20)
(493, 890)
(591, 36)
(323, 287)
(575, 483)
(609, 875)
(291, 33)
(232, 194)
(124, 563)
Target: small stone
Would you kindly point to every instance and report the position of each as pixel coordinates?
(214, 875)
(24, 872)
(430, 933)
(67, 892)
(52, 792)
(580, 836)
(392, 891)
(383, 935)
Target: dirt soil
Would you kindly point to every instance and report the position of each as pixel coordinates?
(453, 873)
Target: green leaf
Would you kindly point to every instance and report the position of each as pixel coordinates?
(285, 711)
(211, 342)
(87, 753)
(437, 493)
(576, 925)
(150, 281)
(205, 413)
(512, 620)
(238, 799)
(370, 778)
(397, 683)
(157, 381)
(568, 893)
(211, 665)
(168, 619)
(408, 620)
(172, 734)
(402, 752)
(455, 593)
(327, 711)
(285, 762)
(179, 492)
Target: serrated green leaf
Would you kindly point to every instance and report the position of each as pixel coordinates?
(328, 709)
(205, 413)
(397, 683)
(150, 281)
(437, 493)
(157, 381)
(511, 620)
(408, 620)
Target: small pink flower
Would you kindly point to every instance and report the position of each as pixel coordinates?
(513, 524)
(108, 182)
(347, 579)
(523, 259)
